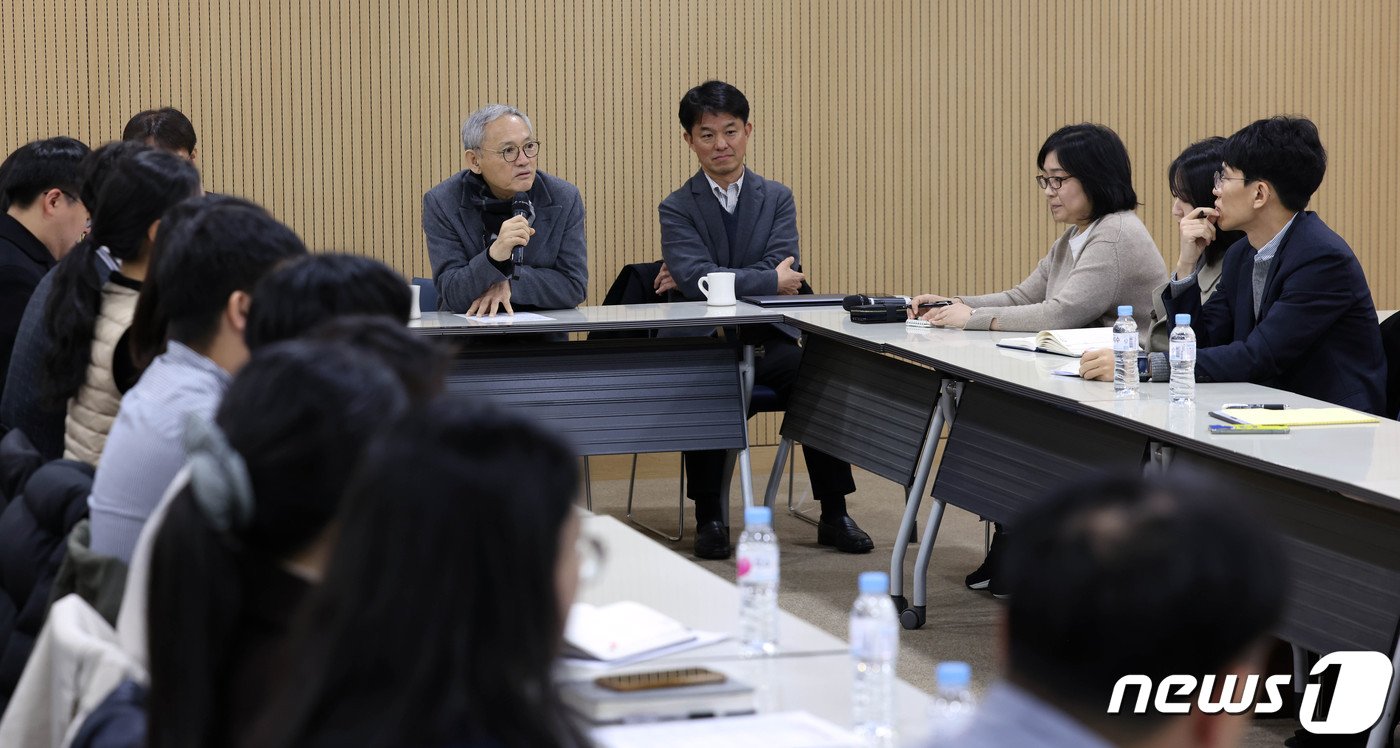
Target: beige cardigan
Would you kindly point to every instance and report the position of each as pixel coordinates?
(1119, 264)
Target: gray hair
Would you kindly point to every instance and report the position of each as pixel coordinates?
(476, 123)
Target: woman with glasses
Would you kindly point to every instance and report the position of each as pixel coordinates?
(1103, 259)
(503, 235)
(443, 608)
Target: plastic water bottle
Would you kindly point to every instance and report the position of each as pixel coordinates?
(1183, 360)
(874, 647)
(1125, 354)
(758, 583)
(953, 704)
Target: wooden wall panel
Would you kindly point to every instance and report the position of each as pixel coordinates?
(907, 129)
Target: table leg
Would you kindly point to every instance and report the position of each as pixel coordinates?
(941, 412)
(1380, 733)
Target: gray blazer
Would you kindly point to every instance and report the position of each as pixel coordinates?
(693, 241)
(555, 272)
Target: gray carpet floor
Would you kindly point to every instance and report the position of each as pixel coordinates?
(818, 584)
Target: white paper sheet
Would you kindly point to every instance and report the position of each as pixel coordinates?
(702, 639)
(778, 730)
(502, 318)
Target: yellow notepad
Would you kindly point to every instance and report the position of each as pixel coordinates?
(1299, 416)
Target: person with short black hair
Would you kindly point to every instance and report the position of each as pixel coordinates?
(455, 643)
(300, 294)
(166, 128)
(42, 218)
(212, 252)
(1292, 309)
(23, 406)
(89, 365)
(727, 217)
(1129, 576)
(420, 361)
(1103, 260)
(473, 227)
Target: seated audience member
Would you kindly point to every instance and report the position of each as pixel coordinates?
(439, 653)
(1104, 259)
(23, 407)
(299, 295)
(212, 251)
(1192, 179)
(241, 545)
(89, 365)
(166, 128)
(472, 228)
(420, 362)
(701, 226)
(1120, 577)
(42, 219)
(1292, 309)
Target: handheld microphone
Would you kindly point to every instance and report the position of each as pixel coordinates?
(521, 206)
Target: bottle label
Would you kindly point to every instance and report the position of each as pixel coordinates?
(874, 639)
(1183, 350)
(758, 565)
(1125, 341)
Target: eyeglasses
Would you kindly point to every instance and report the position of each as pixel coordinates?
(1054, 183)
(591, 555)
(510, 153)
(1221, 179)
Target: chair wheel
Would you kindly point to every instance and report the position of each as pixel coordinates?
(912, 618)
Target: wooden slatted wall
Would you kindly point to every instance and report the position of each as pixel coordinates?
(906, 128)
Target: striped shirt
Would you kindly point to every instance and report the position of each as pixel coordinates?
(146, 446)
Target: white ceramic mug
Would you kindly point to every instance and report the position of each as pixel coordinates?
(415, 291)
(718, 289)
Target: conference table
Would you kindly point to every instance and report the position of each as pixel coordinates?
(811, 671)
(885, 396)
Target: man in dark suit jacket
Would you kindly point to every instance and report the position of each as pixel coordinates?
(471, 226)
(1296, 313)
(728, 218)
(43, 218)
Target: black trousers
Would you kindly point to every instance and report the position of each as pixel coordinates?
(776, 368)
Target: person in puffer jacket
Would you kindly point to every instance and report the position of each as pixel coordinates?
(34, 529)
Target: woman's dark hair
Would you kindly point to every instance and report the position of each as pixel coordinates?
(166, 128)
(1192, 179)
(419, 361)
(416, 636)
(207, 248)
(98, 166)
(138, 189)
(712, 97)
(298, 413)
(1095, 156)
(296, 296)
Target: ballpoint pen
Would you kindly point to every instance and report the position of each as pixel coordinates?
(1265, 406)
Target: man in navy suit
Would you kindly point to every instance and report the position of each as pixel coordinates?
(728, 218)
(1295, 313)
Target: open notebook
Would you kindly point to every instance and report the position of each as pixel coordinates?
(621, 631)
(1064, 342)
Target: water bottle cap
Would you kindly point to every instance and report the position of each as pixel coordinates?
(758, 515)
(1183, 319)
(953, 674)
(874, 582)
(1125, 311)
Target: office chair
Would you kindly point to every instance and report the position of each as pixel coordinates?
(427, 294)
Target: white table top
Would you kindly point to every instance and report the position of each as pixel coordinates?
(589, 318)
(812, 671)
